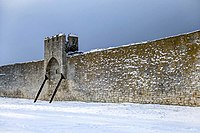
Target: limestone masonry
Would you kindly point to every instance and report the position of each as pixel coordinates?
(165, 71)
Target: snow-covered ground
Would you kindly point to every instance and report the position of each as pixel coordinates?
(23, 116)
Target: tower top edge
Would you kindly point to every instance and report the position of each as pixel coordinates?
(72, 35)
(55, 36)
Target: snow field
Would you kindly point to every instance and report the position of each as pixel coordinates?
(22, 115)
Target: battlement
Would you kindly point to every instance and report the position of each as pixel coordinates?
(56, 38)
(71, 45)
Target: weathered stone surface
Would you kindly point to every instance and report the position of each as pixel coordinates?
(21, 80)
(165, 71)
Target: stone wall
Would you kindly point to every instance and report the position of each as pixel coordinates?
(165, 71)
(21, 80)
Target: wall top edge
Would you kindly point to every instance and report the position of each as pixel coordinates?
(19, 63)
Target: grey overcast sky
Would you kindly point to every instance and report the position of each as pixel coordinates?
(99, 23)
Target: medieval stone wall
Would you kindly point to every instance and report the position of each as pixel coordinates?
(21, 80)
(165, 71)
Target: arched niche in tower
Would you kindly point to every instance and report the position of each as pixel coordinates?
(53, 69)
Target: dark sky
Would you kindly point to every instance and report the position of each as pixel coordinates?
(99, 23)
